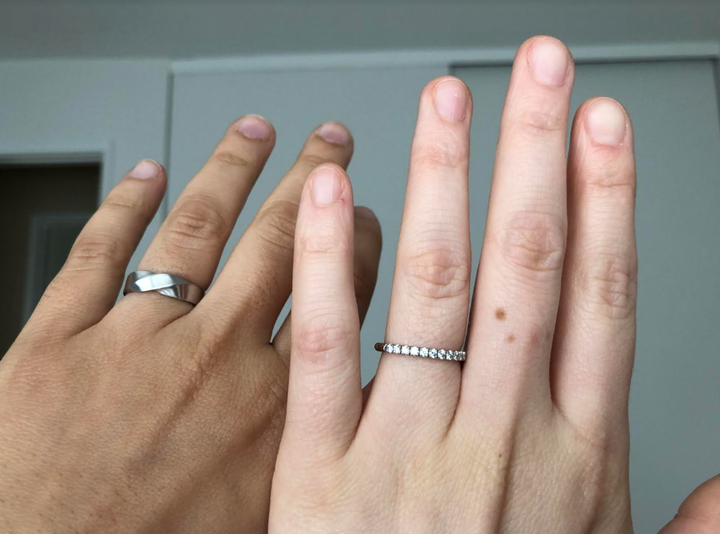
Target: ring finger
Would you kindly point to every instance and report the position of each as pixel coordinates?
(191, 240)
(431, 288)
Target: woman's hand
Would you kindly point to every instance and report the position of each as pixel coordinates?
(530, 435)
(154, 416)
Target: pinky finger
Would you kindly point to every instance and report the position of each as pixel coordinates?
(87, 286)
(324, 396)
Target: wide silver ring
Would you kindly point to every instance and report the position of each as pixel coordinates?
(166, 284)
(422, 352)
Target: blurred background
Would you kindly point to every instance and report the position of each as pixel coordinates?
(89, 87)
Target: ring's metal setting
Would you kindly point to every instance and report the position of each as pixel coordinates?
(166, 284)
(422, 352)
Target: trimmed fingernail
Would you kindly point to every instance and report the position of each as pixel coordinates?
(451, 100)
(606, 122)
(334, 133)
(326, 186)
(255, 127)
(549, 62)
(147, 168)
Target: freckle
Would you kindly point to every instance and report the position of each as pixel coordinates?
(500, 314)
(500, 455)
(510, 338)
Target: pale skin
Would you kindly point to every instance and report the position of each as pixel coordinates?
(153, 416)
(530, 434)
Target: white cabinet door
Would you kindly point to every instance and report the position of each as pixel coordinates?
(675, 398)
(378, 105)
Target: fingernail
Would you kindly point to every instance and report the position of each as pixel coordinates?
(451, 100)
(326, 186)
(549, 62)
(334, 133)
(147, 168)
(255, 127)
(606, 122)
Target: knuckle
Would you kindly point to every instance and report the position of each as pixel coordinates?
(439, 272)
(325, 242)
(536, 122)
(233, 159)
(128, 200)
(95, 252)
(275, 225)
(195, 222)
(321, 333)
(439, 152)
(534, 242)
(311, 160)
(611, 181)
(609, 283)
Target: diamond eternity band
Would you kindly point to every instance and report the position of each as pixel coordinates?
(422, 352)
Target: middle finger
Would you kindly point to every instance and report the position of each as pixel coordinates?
(518, 284)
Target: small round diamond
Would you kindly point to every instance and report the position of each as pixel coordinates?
(450, 355)
(405, 349)
(396, 349)
(424, 352)
(414, 351)
(441, 354)
(433, 353)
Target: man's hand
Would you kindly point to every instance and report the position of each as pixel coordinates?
(154, 416)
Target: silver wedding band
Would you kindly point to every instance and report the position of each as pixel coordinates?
(422, 352)
(166, 284)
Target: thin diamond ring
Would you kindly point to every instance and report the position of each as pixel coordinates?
(422, 352)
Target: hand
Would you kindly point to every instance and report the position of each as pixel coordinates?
(700, 513)
(530, 435)
(154, 416)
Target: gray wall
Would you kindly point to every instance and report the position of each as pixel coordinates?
(186, 29)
